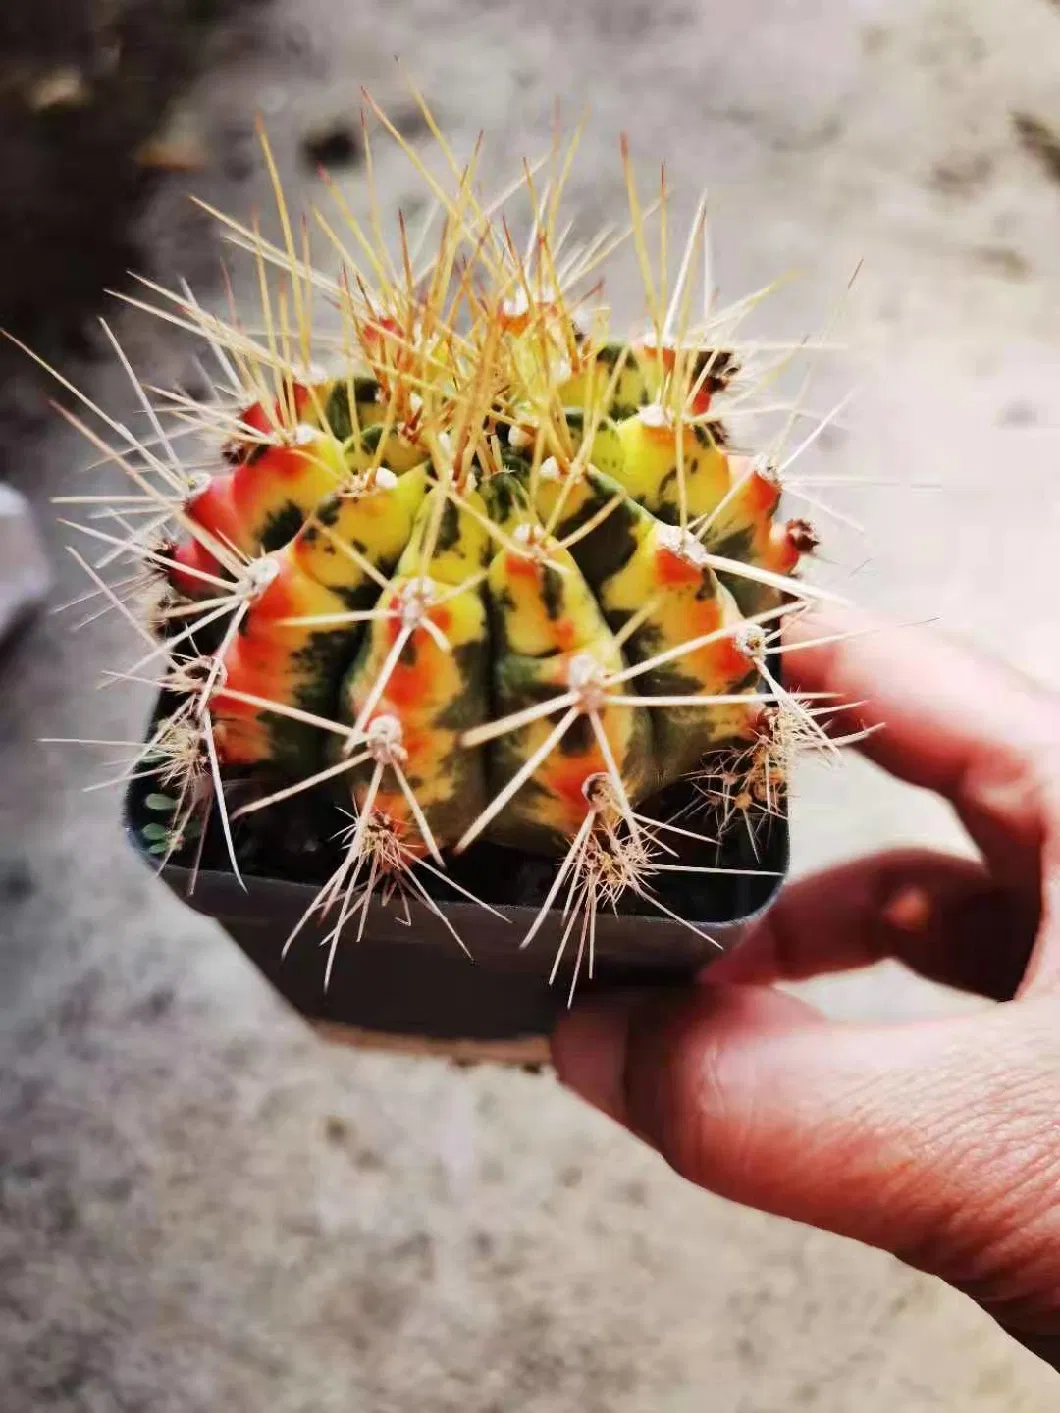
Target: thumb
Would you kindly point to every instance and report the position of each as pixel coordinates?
(929, 1140)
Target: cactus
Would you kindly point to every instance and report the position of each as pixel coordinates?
(491, 574)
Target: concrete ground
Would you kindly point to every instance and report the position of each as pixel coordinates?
(204, 1207)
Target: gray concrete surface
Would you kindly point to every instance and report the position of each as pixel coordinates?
(83, 85)
(202, 1206)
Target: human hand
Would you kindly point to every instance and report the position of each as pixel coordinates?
(937, 1140)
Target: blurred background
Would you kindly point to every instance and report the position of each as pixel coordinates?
(201, 1204)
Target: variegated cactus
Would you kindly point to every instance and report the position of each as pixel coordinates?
(489, 575)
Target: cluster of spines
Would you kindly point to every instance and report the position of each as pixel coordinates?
(482, 442)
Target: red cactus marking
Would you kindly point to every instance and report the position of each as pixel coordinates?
(410, 683)
(279, 599)
(725, 666)
(275, 471)
(196, 558)
(283, 462)
(380, 328)
(263, 418)
(666, 354)
(212, 505)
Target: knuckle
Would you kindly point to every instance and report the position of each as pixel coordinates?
(692, 1093)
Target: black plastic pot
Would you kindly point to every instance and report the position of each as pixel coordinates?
(412, 988)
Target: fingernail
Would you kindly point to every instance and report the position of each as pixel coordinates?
(589, 1052)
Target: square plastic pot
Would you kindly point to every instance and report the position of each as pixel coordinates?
(410, 987)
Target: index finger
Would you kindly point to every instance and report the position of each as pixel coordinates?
(971, 730)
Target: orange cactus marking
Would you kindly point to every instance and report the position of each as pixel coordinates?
(519, 566)
(241, 731)
(409, 684)
(661, 432)
(417, 743)
(757, 495)
(763, 495)
(722, 664)
(665, 353)
(784, 552)
(439, 616)
(566, 635)
(516, 314)
(675, 570)
(565, 776)
(718, 664)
